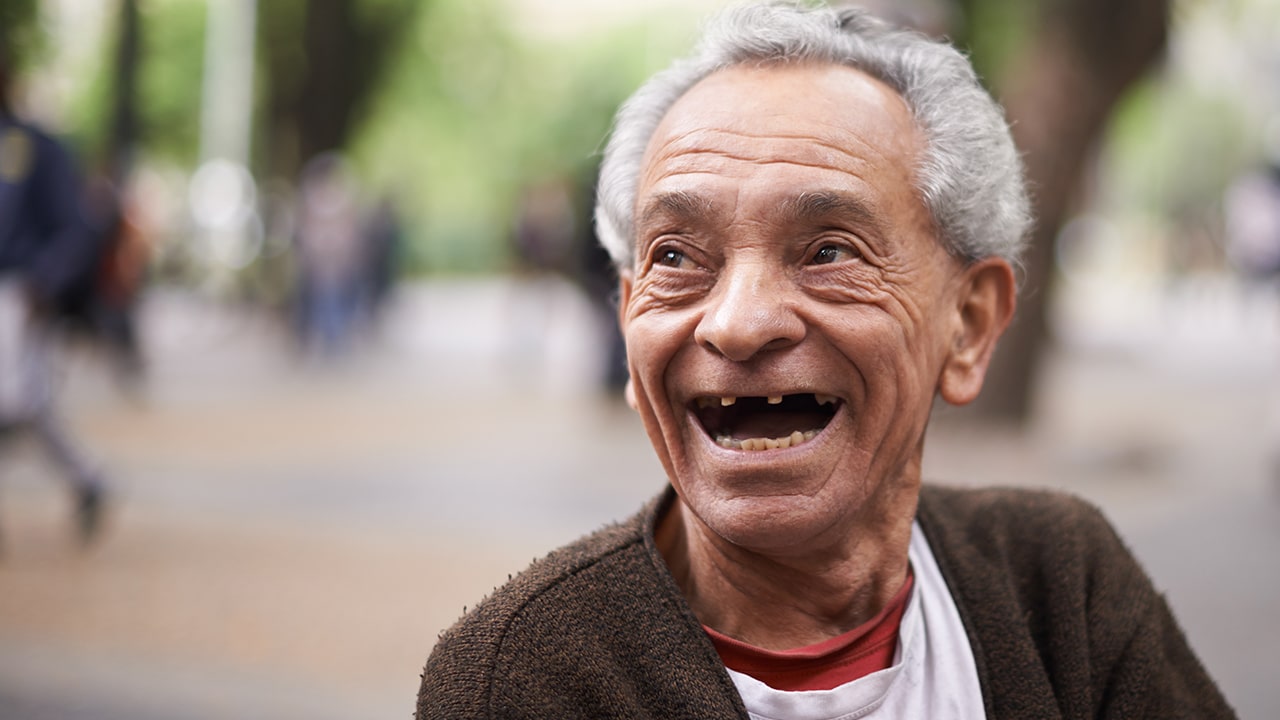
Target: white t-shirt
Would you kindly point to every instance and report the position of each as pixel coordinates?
(933, 673)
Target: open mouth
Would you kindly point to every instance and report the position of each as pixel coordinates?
(765, 423)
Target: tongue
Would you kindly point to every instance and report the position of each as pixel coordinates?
(776, 424)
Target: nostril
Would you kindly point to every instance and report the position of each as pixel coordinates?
(712, 347)
(740, 337)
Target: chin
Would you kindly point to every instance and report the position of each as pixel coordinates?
(766, 522)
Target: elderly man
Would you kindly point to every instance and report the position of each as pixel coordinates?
(815, 220)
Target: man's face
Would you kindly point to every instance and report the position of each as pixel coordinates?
(790, 310)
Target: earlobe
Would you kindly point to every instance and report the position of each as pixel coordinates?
(629, 392)
(984, 308)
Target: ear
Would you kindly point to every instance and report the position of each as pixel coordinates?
(984, 306)
(624, 299)
(625, 284)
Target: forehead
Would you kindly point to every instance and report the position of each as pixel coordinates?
(786, 128)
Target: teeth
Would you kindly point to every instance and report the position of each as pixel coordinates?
(758, 444)
(727, 400)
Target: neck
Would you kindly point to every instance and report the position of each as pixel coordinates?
(781, 602)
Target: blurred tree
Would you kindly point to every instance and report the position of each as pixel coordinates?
(321, 63)
(480, 106)
(20, 40)
(139, 97)
(1059, 79)
(123, 134)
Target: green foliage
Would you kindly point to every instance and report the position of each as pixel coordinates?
(466, 114)
(1178, 140)
(21, 37)
(169, 80)
(171, 64)
(472, 113)
(1172, 150)
(995, 33)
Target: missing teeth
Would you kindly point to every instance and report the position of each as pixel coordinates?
(707, 401)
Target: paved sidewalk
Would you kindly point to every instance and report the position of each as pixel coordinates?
(287, 540)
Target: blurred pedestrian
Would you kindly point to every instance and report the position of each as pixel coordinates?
(542, 238)
(1251, 207)
(47, 249)
(384, 238)
(110, 298)
(598, 278)
(331, 255)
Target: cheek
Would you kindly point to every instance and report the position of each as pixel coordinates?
(652, 341)
(654, 333)
(652, 344)
(893, 360)
(648, 348)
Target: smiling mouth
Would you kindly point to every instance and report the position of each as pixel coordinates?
(765, 423)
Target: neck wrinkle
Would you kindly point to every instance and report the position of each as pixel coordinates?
(779, 605)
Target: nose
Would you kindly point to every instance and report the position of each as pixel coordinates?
(749, 314)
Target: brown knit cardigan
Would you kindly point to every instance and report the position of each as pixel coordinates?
(1062, 621)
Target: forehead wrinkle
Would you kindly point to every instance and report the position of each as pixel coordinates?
(829, 153)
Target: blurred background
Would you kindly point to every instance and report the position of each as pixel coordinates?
(340, 356)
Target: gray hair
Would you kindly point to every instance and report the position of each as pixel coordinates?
(969, 175)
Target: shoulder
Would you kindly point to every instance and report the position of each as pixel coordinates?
(1015, 521)
(28, 152)
(1047, 557)
(590, 611)
(1048, 591)
(31, 136)
(1059, 612)
(997, 502)
(17, 152)
(572, 565)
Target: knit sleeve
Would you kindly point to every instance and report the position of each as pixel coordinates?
(597, 630)
(458, 675)
(1143, 665)
(1062, 618)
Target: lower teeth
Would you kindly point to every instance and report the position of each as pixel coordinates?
(757, 444)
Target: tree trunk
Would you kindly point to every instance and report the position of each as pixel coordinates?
(123, 136)
(1079, 62)
(319, 81)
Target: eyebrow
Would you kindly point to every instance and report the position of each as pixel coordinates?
(677, 204)
(822, 204)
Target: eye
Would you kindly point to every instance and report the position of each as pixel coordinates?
(832, 253)
(669, 257)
